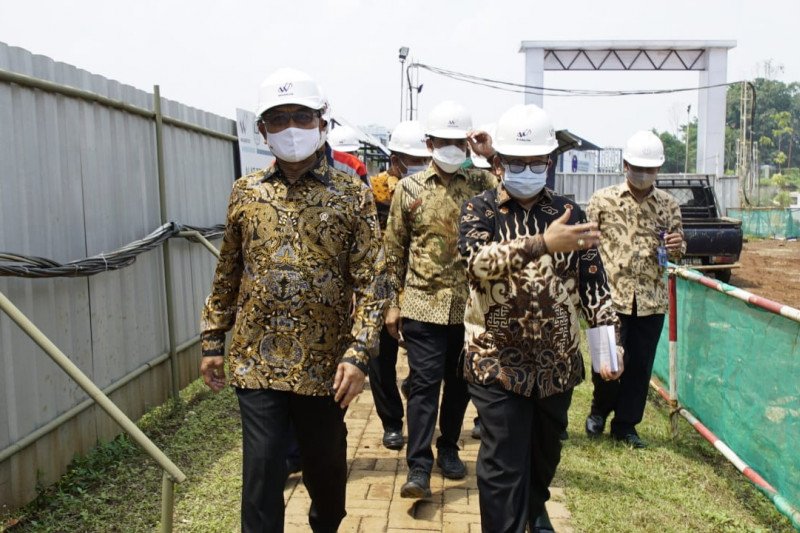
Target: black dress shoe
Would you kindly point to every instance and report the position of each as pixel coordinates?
(417, 485)
(452, 466)
(631, 439)
(595, 425)
(393, 439)
(542, 524)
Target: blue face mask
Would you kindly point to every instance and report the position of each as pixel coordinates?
(524, 185)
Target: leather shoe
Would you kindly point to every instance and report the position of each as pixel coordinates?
(393, 439)
(417, 485)
(542, 524)
(595, 425)
(452, 466)
(631, 439)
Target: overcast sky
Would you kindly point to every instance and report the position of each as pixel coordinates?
(214, 54)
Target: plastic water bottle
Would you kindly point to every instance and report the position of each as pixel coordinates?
(662, 249)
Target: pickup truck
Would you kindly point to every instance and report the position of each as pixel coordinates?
(710, 239)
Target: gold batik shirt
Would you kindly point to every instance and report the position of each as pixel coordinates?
(422, 244)
(522, 318)
(629, 245)
(292, 258)
(383, 186)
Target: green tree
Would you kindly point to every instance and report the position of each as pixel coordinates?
(674, 150)
(773, 124)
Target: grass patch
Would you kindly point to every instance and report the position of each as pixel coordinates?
(117, 487)
(674, 485)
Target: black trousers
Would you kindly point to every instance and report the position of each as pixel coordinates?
(319, 425)
(520, 451)
(383, 383)
(434, 354)
(627, 396)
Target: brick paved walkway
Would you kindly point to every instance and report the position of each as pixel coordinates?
(376, 474)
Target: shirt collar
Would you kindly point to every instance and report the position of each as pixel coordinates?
(546, 196)
(319, 171)
(430, 172)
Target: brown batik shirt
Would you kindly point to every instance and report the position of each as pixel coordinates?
(522, 322)
(293, 256)
(422, 244)
(629, 245)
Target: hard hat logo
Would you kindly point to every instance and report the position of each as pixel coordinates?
(524, 131)
(289, 86)
(448, 120)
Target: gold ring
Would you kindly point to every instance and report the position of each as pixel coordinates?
(581, 242)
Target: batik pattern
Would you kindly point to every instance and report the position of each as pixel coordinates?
(522, 317)
(422, 244)
(629, 245)
(294, 258)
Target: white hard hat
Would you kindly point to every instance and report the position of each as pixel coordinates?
(289, 86)
(448, 120)
(525, 130)
(478, 160)
(644, 149)
(344, 139)
(408, 137)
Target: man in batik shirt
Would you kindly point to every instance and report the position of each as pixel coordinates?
(532, 268)
(301, 240)
(425, 266)
(409, 155)
(636, 219)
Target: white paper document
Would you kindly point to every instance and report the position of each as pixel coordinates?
(603, 347)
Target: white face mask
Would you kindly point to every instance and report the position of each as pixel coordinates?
(640, 180)
(449, 158)
(524, 185)
(294, 144)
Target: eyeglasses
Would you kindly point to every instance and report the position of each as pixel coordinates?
(515, 167)
(280, 119)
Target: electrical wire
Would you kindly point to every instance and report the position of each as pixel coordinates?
(28, 266)
(553, 91)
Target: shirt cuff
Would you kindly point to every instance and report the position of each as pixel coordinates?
(212, 344)
(357, 357)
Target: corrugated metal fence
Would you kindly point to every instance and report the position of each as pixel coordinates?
(582, 186)
(78, 178)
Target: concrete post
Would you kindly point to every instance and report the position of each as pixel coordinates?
(711, 114)
(534, 74)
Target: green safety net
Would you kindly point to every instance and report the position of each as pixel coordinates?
(781, 223)
(738, 372)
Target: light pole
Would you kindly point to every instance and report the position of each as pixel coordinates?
(402, 54)
(688, 139)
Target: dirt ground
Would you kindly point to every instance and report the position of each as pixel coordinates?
(770, 268)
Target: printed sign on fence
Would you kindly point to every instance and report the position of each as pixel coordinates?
(253, 152)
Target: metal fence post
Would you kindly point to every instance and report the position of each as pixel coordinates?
(673, 354)
(167, 502)
(162, 198)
